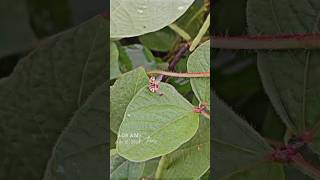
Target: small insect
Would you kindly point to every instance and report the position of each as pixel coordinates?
(154, 85)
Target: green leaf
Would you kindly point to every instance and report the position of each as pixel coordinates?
(162, 40)
(199, 61)
(289, 77)
(114, 63)
(131, 18)
(141, 56)
(16, 33)
(191, 160)
(122, 92)
(80, 150)
(262, 171)
(192, 19)
(155, 125)
(150, 168)
(121, 168)
(238, 149)
(42, 94)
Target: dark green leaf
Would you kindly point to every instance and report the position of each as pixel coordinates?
(290, 77)
(80, 150)
(239, 151)
(42, 94)
(162, 40)
(16, 33)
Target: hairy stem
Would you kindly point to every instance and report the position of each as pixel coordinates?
(173, 74)
(205, 114)
(282, 41)
(299, 161)
(178, 56)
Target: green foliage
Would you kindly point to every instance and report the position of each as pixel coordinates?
(199, 61)
(15, 32)
(129, 18)
(298, 105)
(290, 80)
(160, 124)
(155, 125)
(58, 76)
(82, 143)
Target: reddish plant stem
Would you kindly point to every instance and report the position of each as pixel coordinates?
(299, 161)
(282, 41)
(173, 74)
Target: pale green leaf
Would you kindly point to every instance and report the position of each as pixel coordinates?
(122, 92)
(122, 169)
(134, 18)
(79, 153)
(155, 125)
(114, 61)
(238, 150)
(42, 94)
(199, 61)
(191, 160)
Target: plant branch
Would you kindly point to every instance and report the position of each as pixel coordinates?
(205, 114)
(282, 41)
(299, 161)
(174, 74)
(178, 56)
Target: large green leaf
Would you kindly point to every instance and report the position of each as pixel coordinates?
(238, 150)
(289, 77)
(122, 92)
(199, 61)
(191, 160)
(121, 168)
(155, 125)
(80, 150)
(134, 18)
(16, 33)
(40, 97)
(114, 63)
